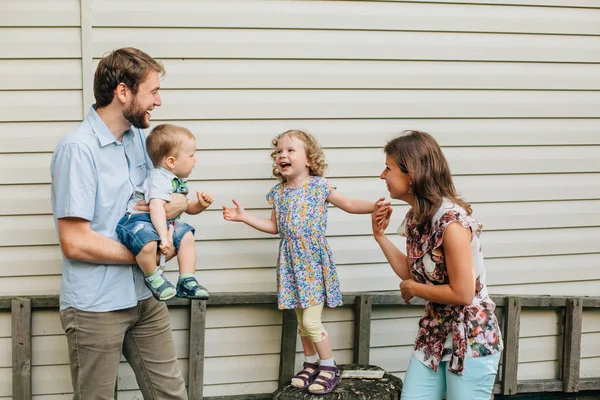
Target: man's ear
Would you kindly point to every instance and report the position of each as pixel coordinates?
(122, 93)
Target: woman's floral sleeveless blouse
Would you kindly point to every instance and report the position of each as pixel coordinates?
(450, 332)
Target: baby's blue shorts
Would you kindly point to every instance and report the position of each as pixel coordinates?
(136, 230)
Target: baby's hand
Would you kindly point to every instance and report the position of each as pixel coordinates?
(164, 246)
(204, 199)
(234, 214)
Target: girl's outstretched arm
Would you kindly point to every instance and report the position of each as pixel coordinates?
(349, 205)
(461, 272)
(380, 219)
(238, 214)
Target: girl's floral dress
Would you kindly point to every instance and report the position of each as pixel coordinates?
(450, 332)
(306, 274)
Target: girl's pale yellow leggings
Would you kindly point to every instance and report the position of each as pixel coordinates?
(309, 322)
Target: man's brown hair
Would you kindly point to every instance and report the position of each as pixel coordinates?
(166, 140)
(127, 65)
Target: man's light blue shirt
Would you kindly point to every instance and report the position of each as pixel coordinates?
(93, 177)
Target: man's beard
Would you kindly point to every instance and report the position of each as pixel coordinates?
(136, 115)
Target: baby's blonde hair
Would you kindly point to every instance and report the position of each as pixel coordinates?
(314, 153)
(166, 140)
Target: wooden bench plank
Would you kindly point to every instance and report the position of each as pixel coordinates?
(379, 298)
(287, 357)
(197, 338)
(362, 329)
(572, 345)
(21, 348)
(589, 384)
(539, 386)
(510, 355)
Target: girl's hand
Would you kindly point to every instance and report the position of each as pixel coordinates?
(380, 218)
(204, 199)
(407, 289)
(237, 214)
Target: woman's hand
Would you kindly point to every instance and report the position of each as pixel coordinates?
(380, 218)
(237, 214)
(407, 287)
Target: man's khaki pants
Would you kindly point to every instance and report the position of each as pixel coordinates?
(142, 333)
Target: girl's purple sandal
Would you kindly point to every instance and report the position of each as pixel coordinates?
(306, 376)
(327, 383)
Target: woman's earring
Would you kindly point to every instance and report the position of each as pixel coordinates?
(409, 189)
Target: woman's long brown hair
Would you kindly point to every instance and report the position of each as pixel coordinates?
(418, 154)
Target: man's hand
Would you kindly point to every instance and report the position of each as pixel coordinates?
(173, 208)
(176, 206)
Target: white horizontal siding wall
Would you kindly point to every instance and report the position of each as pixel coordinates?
(511, 89)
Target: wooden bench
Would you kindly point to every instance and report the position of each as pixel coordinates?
(511, 306)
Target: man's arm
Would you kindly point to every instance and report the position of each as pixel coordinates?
(80, 242)
(173, 208)
(74, 185)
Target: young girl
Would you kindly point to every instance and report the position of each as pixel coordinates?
(458, 345)
(306, 274)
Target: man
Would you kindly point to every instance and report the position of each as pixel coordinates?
(105, 307)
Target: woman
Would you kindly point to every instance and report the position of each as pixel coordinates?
(457, 349)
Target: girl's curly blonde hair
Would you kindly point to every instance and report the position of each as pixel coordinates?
(314, 153)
